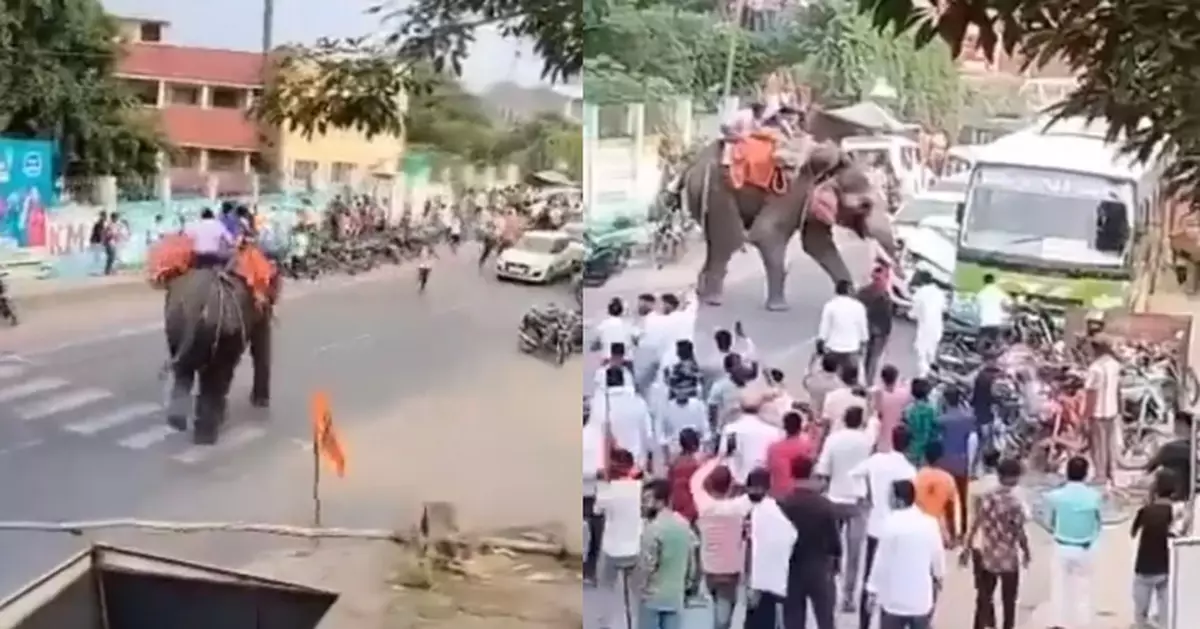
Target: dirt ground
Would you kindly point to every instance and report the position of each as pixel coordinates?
(385, 587)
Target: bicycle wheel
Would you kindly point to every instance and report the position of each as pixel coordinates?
(1191, 388)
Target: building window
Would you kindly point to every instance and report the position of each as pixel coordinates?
(146, 92)
(342, 173)
(185, 157)
(227, 98)
(179, 94)
(303, 171)
(226, 161)
(150, 32)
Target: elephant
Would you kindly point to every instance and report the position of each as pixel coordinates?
(732, 216)
(210, 317)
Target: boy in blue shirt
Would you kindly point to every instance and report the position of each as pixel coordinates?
(1075, 523)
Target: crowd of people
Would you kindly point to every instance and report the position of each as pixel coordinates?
(709, 484)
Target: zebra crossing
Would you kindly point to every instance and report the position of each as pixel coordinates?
(50, 404)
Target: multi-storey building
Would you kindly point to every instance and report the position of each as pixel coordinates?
(204, 95)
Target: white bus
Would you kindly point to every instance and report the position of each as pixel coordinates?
(1051, 212)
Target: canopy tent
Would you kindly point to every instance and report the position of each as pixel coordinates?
(869, 116)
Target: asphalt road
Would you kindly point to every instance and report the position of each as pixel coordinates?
(82, 434)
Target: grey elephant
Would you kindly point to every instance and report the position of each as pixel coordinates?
(210, 317)
(732, 216)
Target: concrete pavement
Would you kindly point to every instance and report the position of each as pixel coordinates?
(82, 434)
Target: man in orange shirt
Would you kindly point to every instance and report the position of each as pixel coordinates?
(936, 493)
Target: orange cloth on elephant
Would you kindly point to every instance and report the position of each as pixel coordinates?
(258, 271)
(753, 163)
(169, 258)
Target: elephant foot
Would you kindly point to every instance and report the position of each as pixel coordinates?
(710, 300)
(777, 305)
(178, 422)
(205, 433)
(260, 401)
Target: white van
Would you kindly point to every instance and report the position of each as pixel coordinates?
(902, 153)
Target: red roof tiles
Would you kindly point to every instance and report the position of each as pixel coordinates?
(209, 128)
(186, 63)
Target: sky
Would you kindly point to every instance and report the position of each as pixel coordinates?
(237, 24)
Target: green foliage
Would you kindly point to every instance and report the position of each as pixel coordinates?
(645, 51)
(1136, 60)
(58, 58)
(844, 55)
(545, 142)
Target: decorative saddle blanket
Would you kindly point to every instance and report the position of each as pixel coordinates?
(752, 162)
(174, 255)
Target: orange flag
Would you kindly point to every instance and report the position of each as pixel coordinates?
(325, 439)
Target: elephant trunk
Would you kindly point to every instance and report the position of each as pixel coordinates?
(879, 228)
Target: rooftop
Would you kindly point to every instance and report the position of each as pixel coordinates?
(192, 64)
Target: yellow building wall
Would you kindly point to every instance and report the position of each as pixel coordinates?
(379, 155)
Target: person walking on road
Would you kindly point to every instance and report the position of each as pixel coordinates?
(957, 429)
(425, 267)
(910, 564)
(992, 303)
(619, 500)
(998, 547)
(888, 402)
(879, 472)
(921, 420)
(721, 520)
(772, 537)
(822, 381)
(843, 331)
(1076, 522)
(1153, 529)
(1104, 407)
(936, 494)
(876, 298)
(845, 449)
(929, 309)
(815, 555)
(615, 328)
(624, 415)
(667, 564)
(782, 454)
(593, 472)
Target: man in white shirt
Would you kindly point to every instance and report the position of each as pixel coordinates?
(624, 416)
(910, 564)
(1104, 402)
(616, 357)
(593, 470)
(843, 329)
(680, 315)
(678, 414)
(653, 332)
(747, 438)
(735, 342)
(619, 499)
(614, 328)
(844, 450)
(929, 309)
(880, 472)
(992, 304)
(772, 536)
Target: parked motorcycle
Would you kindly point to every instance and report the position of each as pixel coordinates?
(552, 330)
(603, 262)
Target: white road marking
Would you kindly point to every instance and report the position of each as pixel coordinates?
(343, 343)
(232, 440)
(31, 387)
(147, 438)
(11, 371)
(67, 401)
(93, 425)
(21, 445)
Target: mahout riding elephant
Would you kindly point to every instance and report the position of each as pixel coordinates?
(211, 316)
(732, 216)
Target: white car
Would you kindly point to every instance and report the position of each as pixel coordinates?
(540, 257)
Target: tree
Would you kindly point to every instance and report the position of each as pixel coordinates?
(447, 119)
(545, 142)
(1135, 61)
(358, 83)
(59, 58)
(844, 55)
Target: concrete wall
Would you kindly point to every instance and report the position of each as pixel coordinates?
(622, 174)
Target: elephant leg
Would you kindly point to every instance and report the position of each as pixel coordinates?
(179, 402)
(724, 234)
(817, 241)
(771, 239)
(215, 380)
(260, 356)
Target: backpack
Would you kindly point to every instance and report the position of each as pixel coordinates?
(97, 236)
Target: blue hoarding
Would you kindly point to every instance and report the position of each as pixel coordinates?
(26, 190)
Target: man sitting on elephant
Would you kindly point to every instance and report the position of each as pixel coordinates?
(212, 244)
